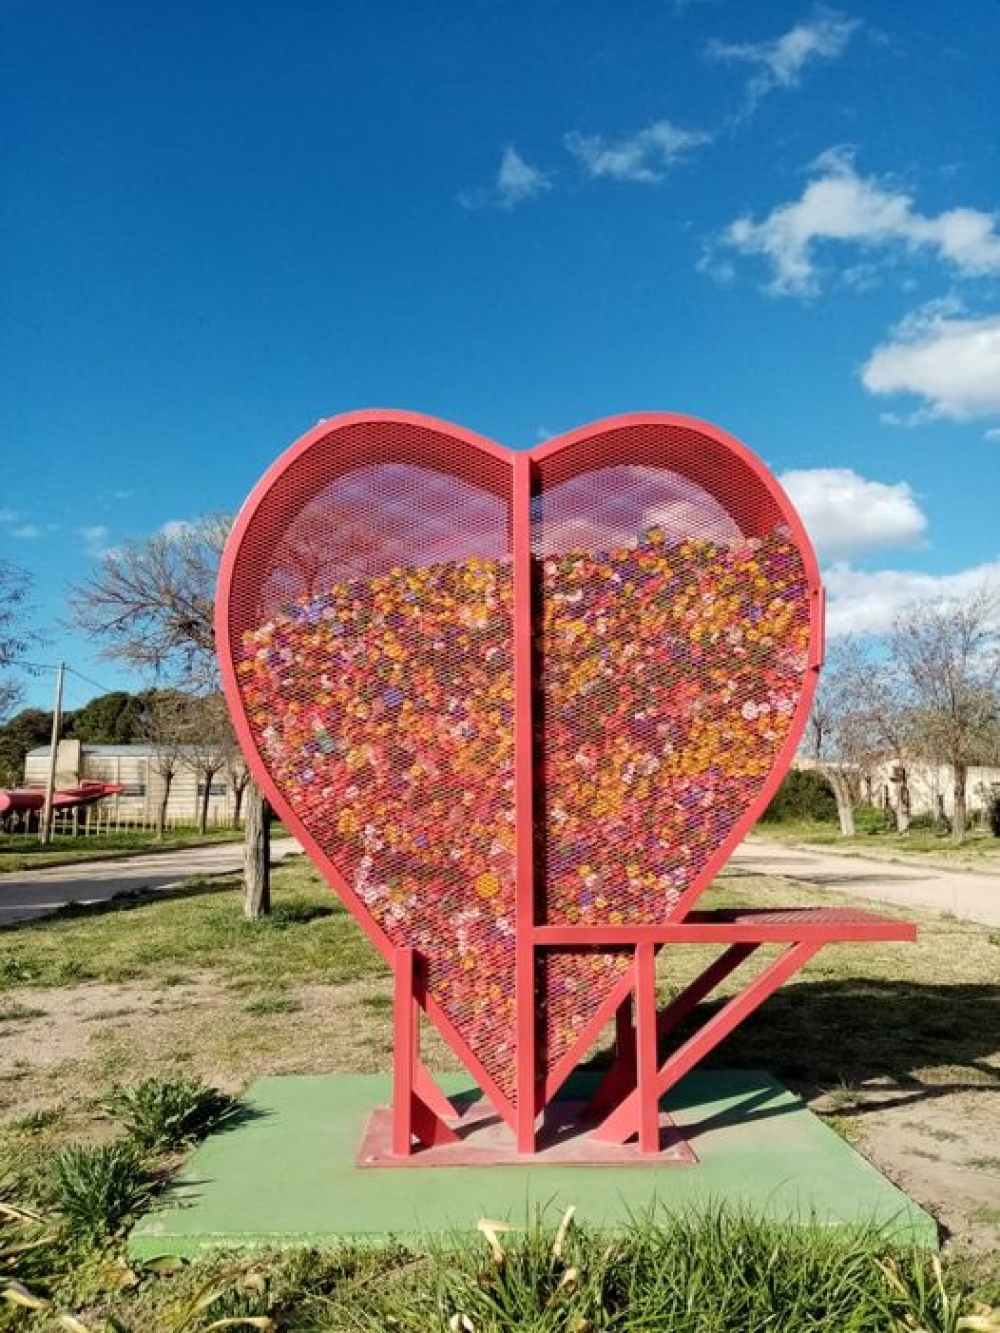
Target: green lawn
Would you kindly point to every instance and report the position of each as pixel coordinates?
(978, 847)
(899, 1045)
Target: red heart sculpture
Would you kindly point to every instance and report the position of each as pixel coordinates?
(490, 691)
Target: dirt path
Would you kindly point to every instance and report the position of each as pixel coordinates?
(27, 894)
(971, 895)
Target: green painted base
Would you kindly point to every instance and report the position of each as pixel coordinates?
(287, 1174)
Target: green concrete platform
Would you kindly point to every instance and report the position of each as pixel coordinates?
(287, 1174)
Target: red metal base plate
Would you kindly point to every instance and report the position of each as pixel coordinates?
(486, 1140)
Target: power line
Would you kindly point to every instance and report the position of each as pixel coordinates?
(54, 666)
(96, 683)
(32, 666)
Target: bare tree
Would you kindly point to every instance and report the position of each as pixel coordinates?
(206, 751)
(946, 664)
(151, 604)
(164, 728)
(844, 744)
(14, 637)
(890, 729)
(238, 777)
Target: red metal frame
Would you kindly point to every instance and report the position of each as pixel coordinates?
(524, 792)
(629, 1096)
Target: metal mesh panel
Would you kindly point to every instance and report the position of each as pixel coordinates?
(373, 655)
(371, 623)
(671, 650)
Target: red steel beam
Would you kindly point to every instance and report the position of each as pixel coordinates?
(418, 1104)
(623, 1122)
(404, 1039)
(524, 819)
(728, 932)
(679, 1007)
(645, 1045)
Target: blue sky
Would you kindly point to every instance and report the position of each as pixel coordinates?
(225, 220)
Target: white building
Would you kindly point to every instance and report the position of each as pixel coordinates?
(139, 769)
(931, 787)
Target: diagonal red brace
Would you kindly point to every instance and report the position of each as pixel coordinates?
(418, 1105)
(621, 1077)
(627, 1119)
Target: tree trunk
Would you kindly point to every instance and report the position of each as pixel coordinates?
(845, 804)
(958, 819)
(161, 813)
(206, 796)
(256, 855)
(238, 792)
(903, 807)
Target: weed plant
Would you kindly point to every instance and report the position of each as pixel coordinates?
(165, 1115)
(717, 1273)
(96, 1189)
(27, 1239)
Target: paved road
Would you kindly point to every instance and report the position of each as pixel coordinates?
(972, 895)
(31, 893)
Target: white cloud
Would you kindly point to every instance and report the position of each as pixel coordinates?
(846, 514)
(175, 528)
(951, 362)
(26, 531)
(8, 516)
(516, 181)
(994, 433)
(780, 63)
(867, 602)
(643, 156)
(94, 537)
(841, 206)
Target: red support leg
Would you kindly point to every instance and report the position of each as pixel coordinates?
(430, 1094)
(418, 1105)
(626, 1119)
(404, 1054)
(645, 1032)
(620, 1077)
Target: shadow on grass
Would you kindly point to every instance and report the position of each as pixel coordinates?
(914, 1041)
(281, 916)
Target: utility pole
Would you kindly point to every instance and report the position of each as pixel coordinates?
(45, 832)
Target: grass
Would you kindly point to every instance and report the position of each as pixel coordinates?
(165, 1115)
(96, 1188)
(716, 1273)
(24, 852)
(978, 847)
(197, 992)
(309, 937)
(273, 1004)
(909, 1014)
(19, 1013)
